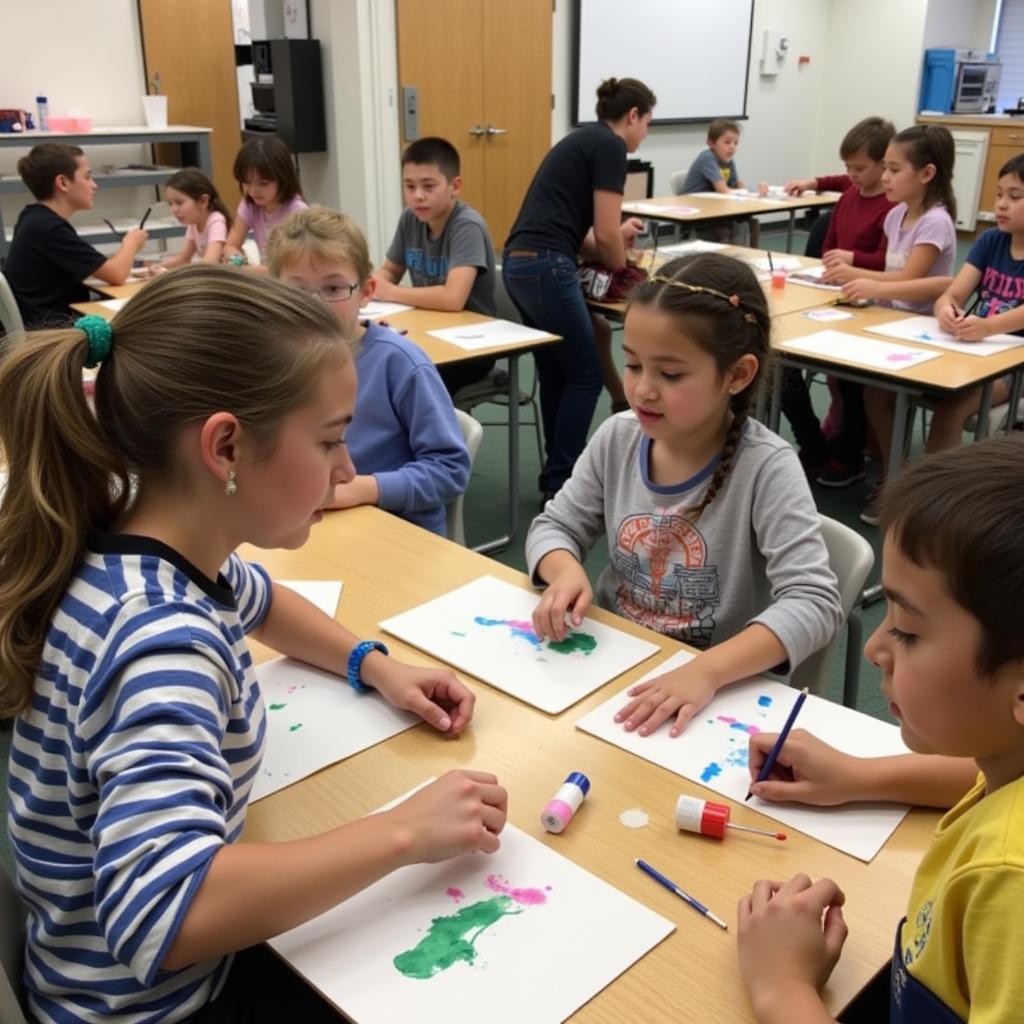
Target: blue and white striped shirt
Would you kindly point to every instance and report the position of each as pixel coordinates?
(130, 770)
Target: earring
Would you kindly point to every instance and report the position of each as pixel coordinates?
(230, 487)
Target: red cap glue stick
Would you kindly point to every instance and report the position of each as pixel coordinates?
(566, 802)
(711, 819)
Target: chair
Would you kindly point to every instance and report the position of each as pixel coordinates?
(10, 315)
(676, 180)
(472, 434)
(12, 949)
(494, 387)
(816, 236)
(997, 417)
(851, 558)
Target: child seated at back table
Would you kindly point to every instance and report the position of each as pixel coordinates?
(194, 202)
(445, 246)
(48, 261)
(951, 652)
(405, 441)
(712, 532)
(855, 236)
(715, 171)
(269, 182)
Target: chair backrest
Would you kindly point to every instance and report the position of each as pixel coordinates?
(12, 949)
(676, 180)
(10, 315)
(472, 434)
(851, 558)
(816, 236)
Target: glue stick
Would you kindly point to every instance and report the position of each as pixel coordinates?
(711, 819)
(566, 802)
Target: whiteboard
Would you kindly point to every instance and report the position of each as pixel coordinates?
(694, 54)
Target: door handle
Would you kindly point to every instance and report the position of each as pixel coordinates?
(477, 131)
(491, 130)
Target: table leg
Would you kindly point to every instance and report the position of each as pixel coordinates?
(792, 227)
(1015, 389)
(981, 420)
(513, 462)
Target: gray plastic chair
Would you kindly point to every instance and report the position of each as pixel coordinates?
(472, 434)
(675, 181)
(12, 949)
(10, 315)
(851, 558)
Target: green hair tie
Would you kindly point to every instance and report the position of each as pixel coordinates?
(100, 335)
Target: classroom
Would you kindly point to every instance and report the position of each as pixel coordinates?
(511, 498)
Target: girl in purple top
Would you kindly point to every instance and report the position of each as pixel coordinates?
(920, 250)
(266, 174)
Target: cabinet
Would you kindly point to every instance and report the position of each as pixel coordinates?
(1004, 143)
(969, 165)
(194, 145)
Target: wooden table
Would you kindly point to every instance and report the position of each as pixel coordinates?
(115, 291)
(388, 565)
(711, 208)
(417, 324)
(951, 372)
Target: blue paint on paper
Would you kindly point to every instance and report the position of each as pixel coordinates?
(711, 771)
(764, 701)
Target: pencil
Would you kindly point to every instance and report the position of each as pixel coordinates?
(766, 768)
(145, 217)
(119, 234)
(771, 266)
(684, 896)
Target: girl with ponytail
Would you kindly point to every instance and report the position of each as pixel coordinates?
(712, 532)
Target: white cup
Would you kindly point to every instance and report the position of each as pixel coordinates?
(154, 109)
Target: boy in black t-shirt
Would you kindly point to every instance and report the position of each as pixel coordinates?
(48, 261)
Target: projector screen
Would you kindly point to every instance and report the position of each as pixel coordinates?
(694, 54)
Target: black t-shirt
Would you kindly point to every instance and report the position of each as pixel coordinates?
(558, 210)
(46, 265)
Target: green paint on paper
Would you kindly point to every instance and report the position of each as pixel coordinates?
(582, 643)
(455, 632)
(277, 707)
(446, 942)
(294, 728)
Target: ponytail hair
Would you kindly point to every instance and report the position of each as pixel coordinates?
(616, 97)
(925, 144)
(193, 183)
(201, 340)
(717, 302)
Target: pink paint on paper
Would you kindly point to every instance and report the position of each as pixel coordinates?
(735, 723)
(901, 357)
(457, 895)
(527, 897)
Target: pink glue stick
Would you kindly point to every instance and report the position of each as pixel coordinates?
(566, 802)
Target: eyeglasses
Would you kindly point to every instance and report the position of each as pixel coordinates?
(332, 292)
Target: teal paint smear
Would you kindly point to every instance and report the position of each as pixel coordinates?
(277, 707)
(711, 771)
(574, 643)
(448, 940)
(294, 728)
(764, 701)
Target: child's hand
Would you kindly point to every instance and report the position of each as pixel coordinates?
(763, 188)
(834, 257)
(435, 694)
(681, 692)
(839, 273)
(948, 316)
(807, 771)
(789, 939)
(862, 289)
(462, 812)
(971, 328)
(630, 228)
(385, 289)
(798, 185)
(569, 593)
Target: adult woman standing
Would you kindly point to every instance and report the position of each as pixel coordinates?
(573, 208)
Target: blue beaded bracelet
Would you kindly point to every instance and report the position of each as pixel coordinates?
(355, 663)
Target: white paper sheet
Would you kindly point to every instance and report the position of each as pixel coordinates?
(114, 304)
(695, 245)
(485, 628)
(855, 348)
(713, 751)
(325, 594)
(315, 719)
(828, 313)
(812, 278)
(539, 937)
(779, 262)
(656, 209)
(926, 329)
(488, 333)
(377, 310)
(724, 196)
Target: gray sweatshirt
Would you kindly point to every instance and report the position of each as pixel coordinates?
(755, 555)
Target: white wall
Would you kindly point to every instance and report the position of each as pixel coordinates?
(963, 24)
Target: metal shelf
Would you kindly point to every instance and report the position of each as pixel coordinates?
(12, 184)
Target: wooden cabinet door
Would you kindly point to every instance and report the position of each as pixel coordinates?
(480, 64)
(190, 43)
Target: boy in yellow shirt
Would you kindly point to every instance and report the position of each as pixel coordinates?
(951, 652)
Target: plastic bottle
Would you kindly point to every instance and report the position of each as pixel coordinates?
(42, 114)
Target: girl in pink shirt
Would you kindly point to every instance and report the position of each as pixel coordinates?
(194, 201)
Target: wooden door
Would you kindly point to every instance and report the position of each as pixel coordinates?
(480, 64)
(191, 44)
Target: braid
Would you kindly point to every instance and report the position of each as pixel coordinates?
(740, 408)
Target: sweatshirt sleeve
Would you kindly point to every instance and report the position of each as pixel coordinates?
(574, 518)
(832, 182)
(874, 258)
(438, 471)
(805, 611)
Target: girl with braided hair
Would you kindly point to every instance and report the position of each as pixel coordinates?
(712, 531)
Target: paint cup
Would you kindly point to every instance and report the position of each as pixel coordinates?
(154, 110)
(565, 803)
(778, 279)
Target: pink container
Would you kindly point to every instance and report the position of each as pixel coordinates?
(61, 124)
(81, 124)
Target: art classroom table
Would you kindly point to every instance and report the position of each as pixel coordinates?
(417, 324)
(116, 291)
(389, 566)
(710, 208)
(951, 372)
(792, 298)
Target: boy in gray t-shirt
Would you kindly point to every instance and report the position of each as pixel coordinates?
(443, 244)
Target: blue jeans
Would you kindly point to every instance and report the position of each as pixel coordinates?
(547, 293)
